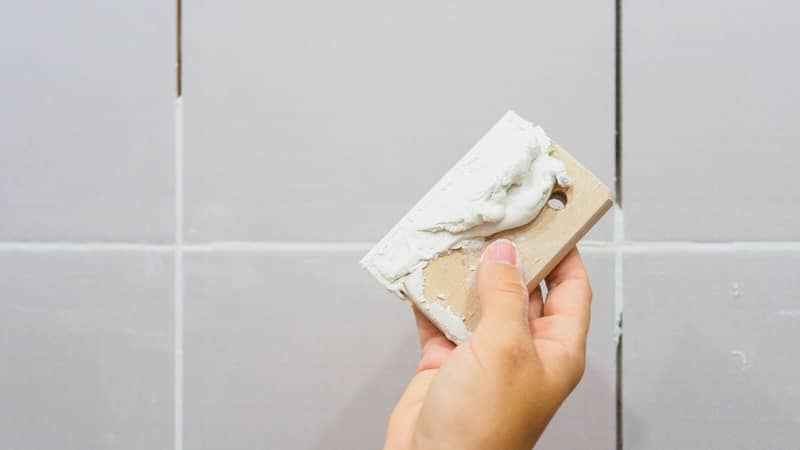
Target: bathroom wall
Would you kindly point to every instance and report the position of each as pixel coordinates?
(181, 271)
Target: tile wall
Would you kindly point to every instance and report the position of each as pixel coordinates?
(183, 273)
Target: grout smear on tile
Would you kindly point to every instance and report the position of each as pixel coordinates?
(735, 290)
(742, 357)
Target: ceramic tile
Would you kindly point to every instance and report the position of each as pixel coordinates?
(87, 113)
(711, 103)
(291, 350)
(305, 350)
(587, 419)
(706, 350)
(314, 121)
(86, 341)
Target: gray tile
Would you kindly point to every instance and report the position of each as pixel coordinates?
(291, 350)
(709, 339)
(86, 344)
(587, 419)
(711, 100)
(305, 350)
(87, 113)
(345, 113)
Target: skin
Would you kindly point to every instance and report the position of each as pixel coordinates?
(499, 389)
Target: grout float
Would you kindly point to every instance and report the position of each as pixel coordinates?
(503, 182)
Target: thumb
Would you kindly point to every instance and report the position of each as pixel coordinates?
(501, 290)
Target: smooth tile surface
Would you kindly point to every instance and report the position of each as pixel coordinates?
(86, 344)
(306, 351)
(291, 350)
(708, 351)
(711, 105)
(587, 419)
(307, 121)
(87, 95)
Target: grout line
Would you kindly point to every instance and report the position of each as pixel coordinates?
(179, 48)
(619, 223)
(618, 102)
(667, 246)
(619, 379)
(280, 246)
(332, 246)
(619, 248)
(83, 246)
(596, 244)
(178, 279)
(619, 238)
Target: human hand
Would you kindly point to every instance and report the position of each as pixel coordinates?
(499, 389)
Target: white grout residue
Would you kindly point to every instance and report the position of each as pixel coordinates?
(735, 290)
(742, 356)
(789, 312)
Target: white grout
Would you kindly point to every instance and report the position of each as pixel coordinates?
(34, 246)
(602, 245)
(677, 246)
(178, 280)
(279, 246)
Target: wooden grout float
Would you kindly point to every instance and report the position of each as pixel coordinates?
(431, 255)
(541, 244)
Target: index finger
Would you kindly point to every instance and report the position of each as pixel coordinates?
(435, 346)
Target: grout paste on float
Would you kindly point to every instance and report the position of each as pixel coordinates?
(503, 182)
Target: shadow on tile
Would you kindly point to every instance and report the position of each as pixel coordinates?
(586, 419)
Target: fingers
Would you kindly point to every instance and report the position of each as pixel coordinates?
(402, 422)
(502, 295)
(535, 304)
(569, 292)
(435, 346)
(427, 330)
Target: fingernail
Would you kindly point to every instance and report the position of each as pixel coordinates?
(502, 251)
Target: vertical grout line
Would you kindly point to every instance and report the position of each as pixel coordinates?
(177, 383)
(619, 220)
(618, 101)
(178, 277)
(178, 47)
(619, 239)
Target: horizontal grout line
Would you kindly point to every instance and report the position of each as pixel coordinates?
(279, 246)
(667, 246)
(84, 246)
(265, 246)
(595, 244)
(352, 246)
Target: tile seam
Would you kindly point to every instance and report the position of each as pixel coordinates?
(619, 223)
(178, 280)
(633, 246)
